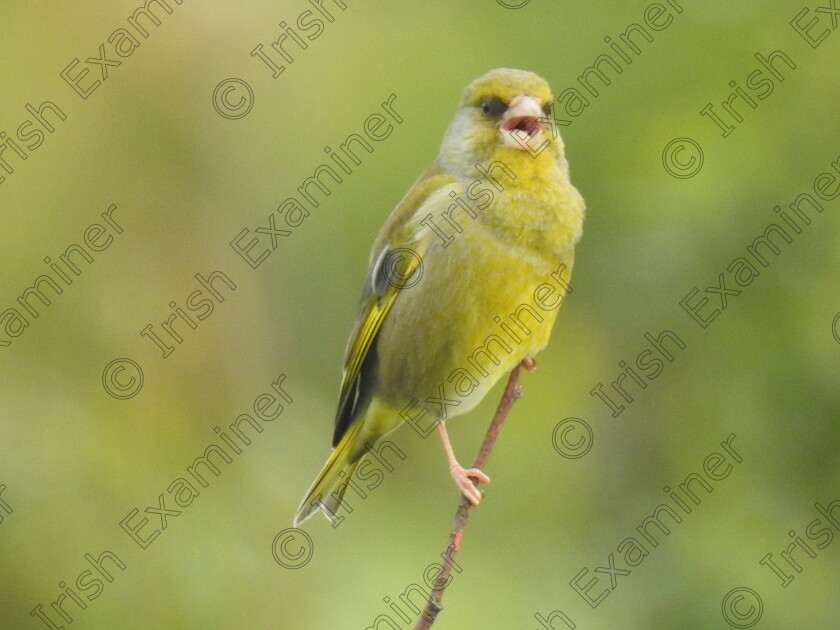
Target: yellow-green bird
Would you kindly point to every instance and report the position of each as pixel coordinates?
(465, 279)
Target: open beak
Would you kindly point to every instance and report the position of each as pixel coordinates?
(520, 127)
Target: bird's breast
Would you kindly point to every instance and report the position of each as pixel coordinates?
(487, 298)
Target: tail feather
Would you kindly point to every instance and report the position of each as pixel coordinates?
(321, 495)
(375, 421)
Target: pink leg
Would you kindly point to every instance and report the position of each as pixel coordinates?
(462, 477)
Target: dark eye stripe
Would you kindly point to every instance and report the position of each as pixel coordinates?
(493, 106)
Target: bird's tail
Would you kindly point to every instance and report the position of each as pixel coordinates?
(323, 495)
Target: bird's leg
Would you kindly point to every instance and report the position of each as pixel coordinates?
(461, 476)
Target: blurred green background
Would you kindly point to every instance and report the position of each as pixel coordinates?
(75, 461)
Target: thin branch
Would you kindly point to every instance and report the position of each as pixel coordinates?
(512, 392)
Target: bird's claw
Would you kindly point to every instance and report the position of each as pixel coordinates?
(529, 363)
(463, 479)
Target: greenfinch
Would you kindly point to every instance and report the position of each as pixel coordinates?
(465, 280)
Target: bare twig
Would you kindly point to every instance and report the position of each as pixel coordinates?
(512, 392)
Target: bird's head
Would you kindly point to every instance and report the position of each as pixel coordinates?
(505, 108)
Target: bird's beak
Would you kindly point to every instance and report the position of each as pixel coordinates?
(520, 127)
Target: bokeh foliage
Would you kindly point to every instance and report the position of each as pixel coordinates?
(76, 461)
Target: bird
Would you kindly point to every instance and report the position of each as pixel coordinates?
(465, 279)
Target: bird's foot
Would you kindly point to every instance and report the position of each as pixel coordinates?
(463, 479)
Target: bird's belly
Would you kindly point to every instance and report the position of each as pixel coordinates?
(478, 310)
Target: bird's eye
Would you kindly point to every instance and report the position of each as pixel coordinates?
(493, 106)
(547, 108)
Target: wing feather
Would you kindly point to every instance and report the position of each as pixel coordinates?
(382, 288)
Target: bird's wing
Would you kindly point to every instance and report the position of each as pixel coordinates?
(396, 254)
